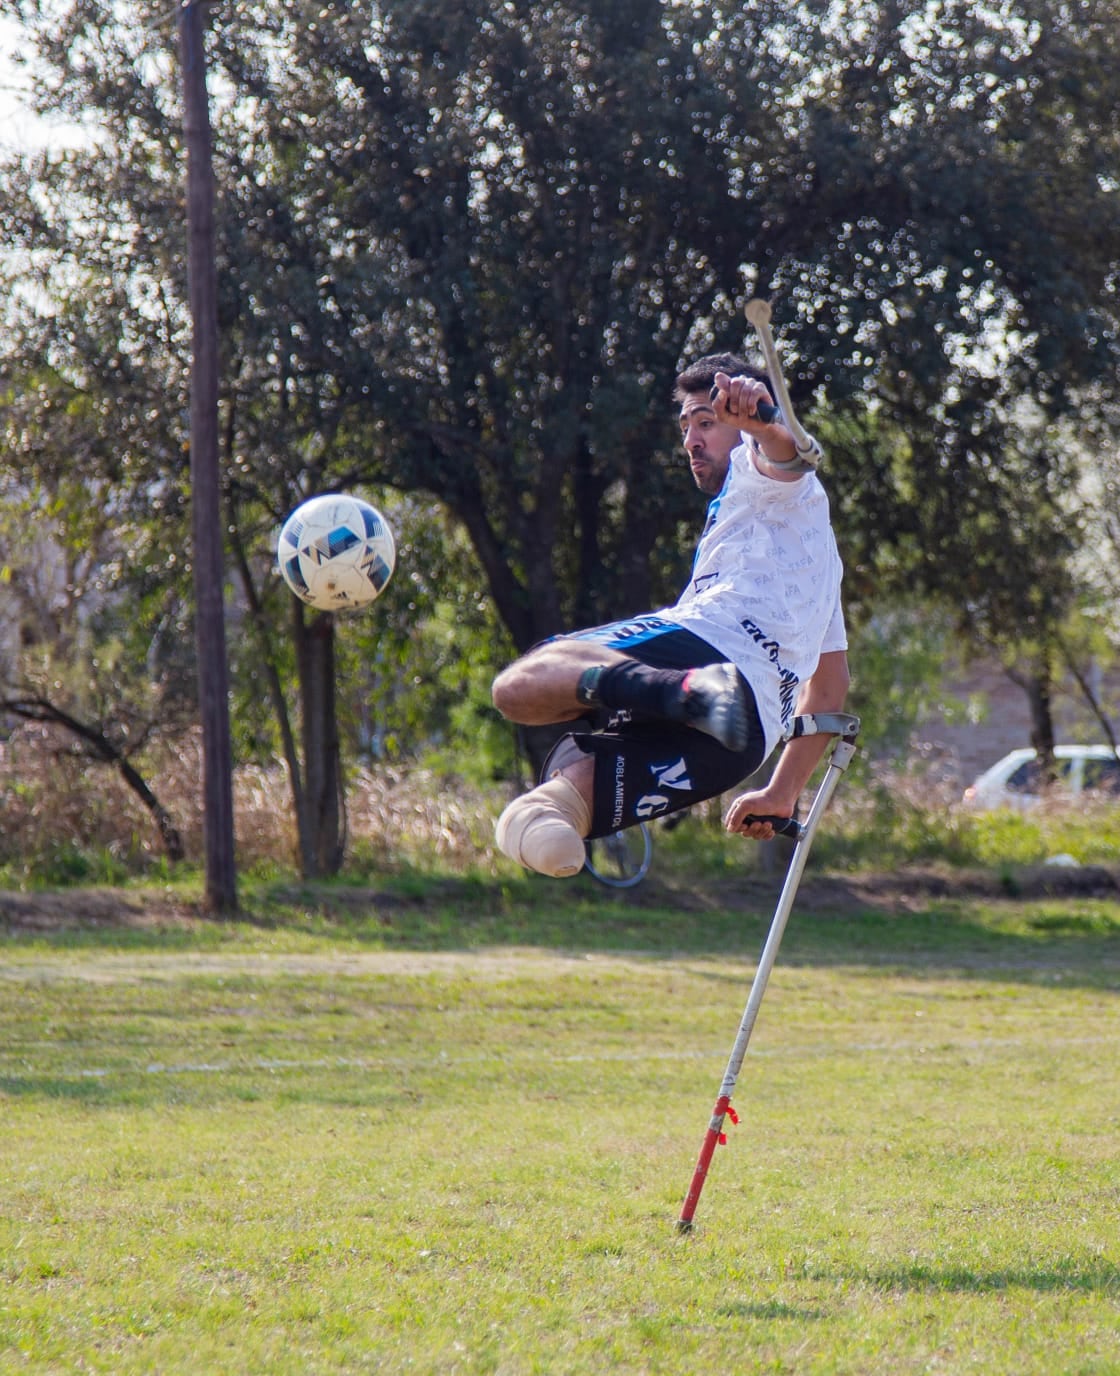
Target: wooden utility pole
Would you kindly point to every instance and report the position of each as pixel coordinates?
(209, 568)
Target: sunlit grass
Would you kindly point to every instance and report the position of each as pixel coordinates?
(315, 1140)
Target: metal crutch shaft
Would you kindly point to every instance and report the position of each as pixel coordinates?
(841, 757)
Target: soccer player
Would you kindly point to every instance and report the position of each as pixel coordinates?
(689, 700)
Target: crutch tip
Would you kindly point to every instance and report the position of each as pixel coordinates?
(684, 1225)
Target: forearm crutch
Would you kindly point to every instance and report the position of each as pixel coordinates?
(846, 728)
(808, 454)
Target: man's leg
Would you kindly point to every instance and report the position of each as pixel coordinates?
(647, 667)
(544, 829)
(541, 687)
(562, 679)
(600, 782)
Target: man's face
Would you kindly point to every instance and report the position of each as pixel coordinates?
(707, 442)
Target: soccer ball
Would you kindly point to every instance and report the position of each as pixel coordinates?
(336, 552)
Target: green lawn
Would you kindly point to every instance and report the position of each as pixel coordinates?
(450, 1129)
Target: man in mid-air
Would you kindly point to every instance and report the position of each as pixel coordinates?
(690, 700)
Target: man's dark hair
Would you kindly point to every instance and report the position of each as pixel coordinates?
(701, 375)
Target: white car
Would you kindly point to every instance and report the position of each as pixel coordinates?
(1014, 781)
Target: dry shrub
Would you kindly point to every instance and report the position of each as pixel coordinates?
(263, 824)
(417, 814)
(55, 800)
(861, 794)
(393, 816)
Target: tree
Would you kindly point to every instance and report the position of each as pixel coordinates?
(627, 164)
(1002, 561)
(207, 544)
(465, 248)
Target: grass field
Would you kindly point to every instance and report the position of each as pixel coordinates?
(448, 1127)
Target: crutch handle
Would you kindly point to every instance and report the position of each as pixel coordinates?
(783, 826)
(763, 411)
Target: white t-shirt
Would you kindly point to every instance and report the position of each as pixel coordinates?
(765, 585)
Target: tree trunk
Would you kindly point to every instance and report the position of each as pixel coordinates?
(276, 688)
(1039, 689)
(209, 573)
(1042, 726)
(534, 743)
(321, 820)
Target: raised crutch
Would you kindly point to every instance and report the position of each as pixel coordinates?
(847, 729)
(808, 454)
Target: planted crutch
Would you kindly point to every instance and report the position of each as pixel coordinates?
(846, 728)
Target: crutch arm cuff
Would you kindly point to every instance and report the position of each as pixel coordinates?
(807, 458)
(823, 724)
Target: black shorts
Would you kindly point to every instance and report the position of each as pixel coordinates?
(647, 768)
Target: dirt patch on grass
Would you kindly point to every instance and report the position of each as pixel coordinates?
(907, 890)
(904, 890)
(918, 887)
(69, 909)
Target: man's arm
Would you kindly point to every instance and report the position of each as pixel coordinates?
(826, 691)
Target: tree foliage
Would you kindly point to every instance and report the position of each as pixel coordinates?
(463, 249)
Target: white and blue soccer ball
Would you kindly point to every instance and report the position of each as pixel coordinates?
(336, 552)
